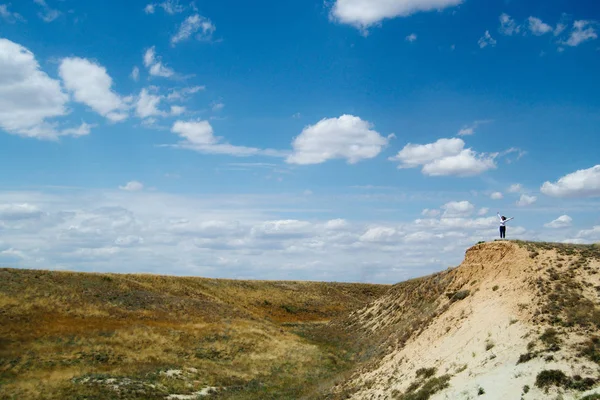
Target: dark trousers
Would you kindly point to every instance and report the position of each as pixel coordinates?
(502, 232)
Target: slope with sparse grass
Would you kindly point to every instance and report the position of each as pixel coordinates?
(514, 320)
(70, 335)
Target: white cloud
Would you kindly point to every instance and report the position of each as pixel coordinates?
(430, 213)
(379, 234)
(445, 157)
(184, 93)
(515, 188)
(537, 27)
(582, 32)
(192, 25)
(81, 130)
(365, 13)
(133, 186)
(483, 211)
(560, 27)
(14, 212)
(336, 224)
(177, 110)
(564, 221)
(526, 200)
(414, 155)
(458, 209)
(91, 85)
(10, 17)
(217, 107)
(411, 38)
(581, 183)
(589, 234)
(28, 96)
(470, 129)
(486, 40)
(246, 237)
(49, 14)
(508, 26)
(199, 136)
(147, 105)
(496, 196)
(347, 137)
(169, 6)
(172, 6)
(155, 65)
(135, 74)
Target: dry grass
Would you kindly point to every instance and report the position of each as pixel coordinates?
(106, 336)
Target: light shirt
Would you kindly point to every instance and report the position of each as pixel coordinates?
(505, 221)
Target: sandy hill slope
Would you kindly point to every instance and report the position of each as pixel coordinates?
(67, 335)
(516, 320)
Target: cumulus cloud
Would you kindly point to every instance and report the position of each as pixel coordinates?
(445, 157)
(197, 25)
(537, 27)
(458, 209)
(14, 212)
(486, 40)
(347, 137)
(587, 235)
(526, 200)
(365, 13)
(155, 65)
(29, 98)
(133, 186)
(581, 183)
(8, 16)
(564, 221)
(198, 135)
(583, 31)
(430, 212)
(515, 188)
(483, 211)
(379, 234)
(496, 196)
(147, 105)
(508, 26)
(177, 110)
(91, 85)
(411, 38)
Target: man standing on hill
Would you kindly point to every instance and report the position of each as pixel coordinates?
(503, 221)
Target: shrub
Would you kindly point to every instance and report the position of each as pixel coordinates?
(460, 295)
(523, 358)
(551, 377)
(426, 373)
(496, 287)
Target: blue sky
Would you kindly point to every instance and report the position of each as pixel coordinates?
(351, 140)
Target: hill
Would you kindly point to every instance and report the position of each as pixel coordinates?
(66, 335)
(514, 320)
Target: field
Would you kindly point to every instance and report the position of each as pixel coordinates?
(107, 336)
